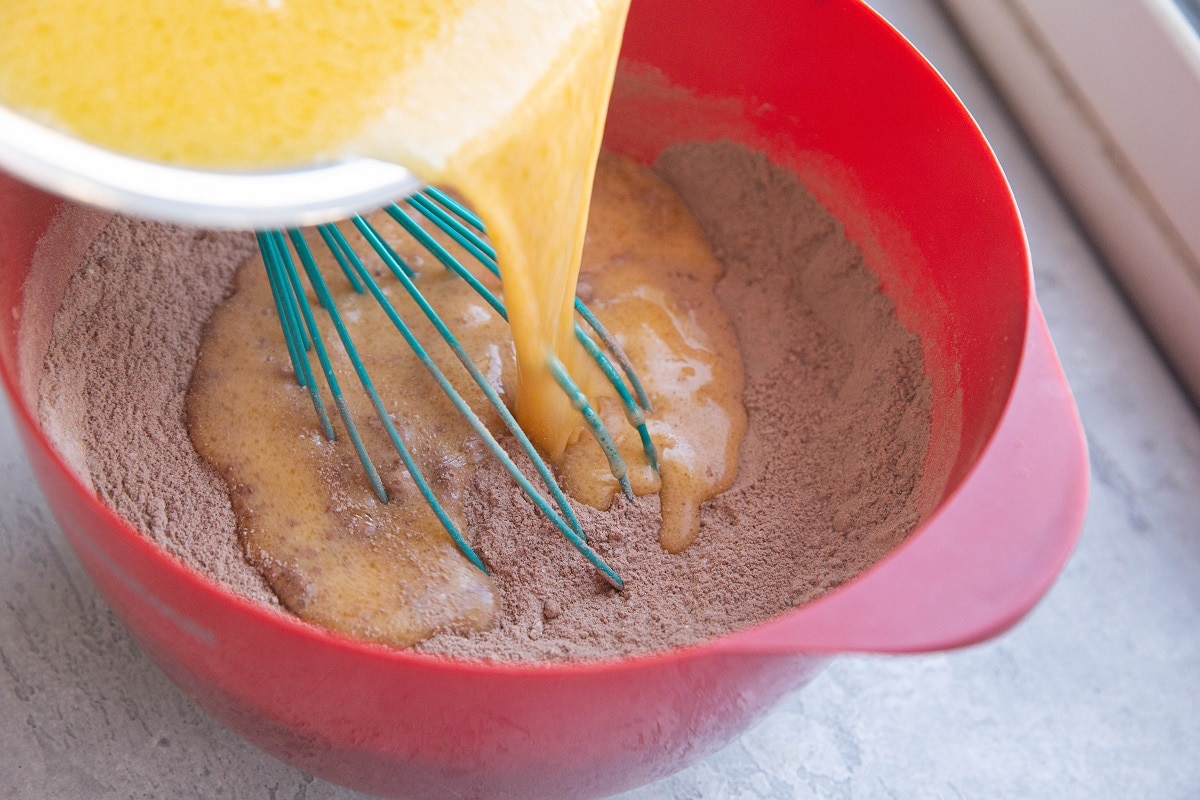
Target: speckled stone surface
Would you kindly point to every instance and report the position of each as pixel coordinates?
(1095, 695)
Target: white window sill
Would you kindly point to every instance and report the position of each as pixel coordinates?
(1109, 93)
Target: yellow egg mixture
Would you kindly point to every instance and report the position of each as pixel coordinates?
(307, 514)
(505, 101)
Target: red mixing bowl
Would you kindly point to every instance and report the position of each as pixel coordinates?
(829, 89)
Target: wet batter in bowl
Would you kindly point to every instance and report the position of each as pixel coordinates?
(831, 475)
(308, 517)
(523, 152)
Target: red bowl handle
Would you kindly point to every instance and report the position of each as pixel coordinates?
(989, 553)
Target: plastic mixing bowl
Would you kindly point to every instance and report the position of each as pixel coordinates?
(829, 89)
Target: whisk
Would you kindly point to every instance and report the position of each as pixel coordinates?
(281, 250)
(315, 196)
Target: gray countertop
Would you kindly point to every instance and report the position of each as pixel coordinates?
(1095, 695)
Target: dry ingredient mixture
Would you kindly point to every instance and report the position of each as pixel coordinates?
(836, 395)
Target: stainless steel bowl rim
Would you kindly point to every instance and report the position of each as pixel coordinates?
(58, 162)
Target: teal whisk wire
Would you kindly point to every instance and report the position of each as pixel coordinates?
(317, 281)
(634, 411)
(572, 530)
(396, 266)
(578, 399)
(303, 337)
(296, 348)
(277, 258)
(446, 213)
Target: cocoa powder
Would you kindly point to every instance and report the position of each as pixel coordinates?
(836, 393)
(116, 371)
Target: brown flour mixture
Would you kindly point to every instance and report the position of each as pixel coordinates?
(835, 391)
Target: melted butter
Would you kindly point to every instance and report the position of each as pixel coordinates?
(389, 572)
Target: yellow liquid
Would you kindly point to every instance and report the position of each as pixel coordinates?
(503, 99)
